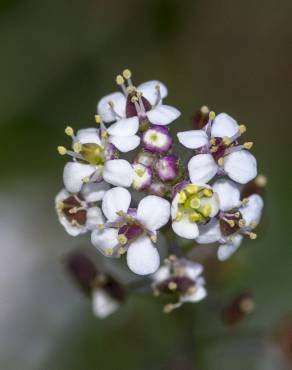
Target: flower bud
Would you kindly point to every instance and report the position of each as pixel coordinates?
(167, 167)
(157, 139)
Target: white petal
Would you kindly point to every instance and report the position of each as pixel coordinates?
(73, 174)
(199, 294)
(88, 135)
(224, 125)
(162, 115)
(142, 257)
(240, 166)
(228, 193)
(118, 172)
(103, 304)
(226, 250)
(63, 194)
(94, 217)
(193, 139)
(192, 269)
(106, 241)
(114, 200)
(209, 233)
(185, 229)
(124, 127)
(153, 212)
(161, 274)
(174, 206)
(94, 191)
(202, 168)
(73, 230)
(125, 143)
(148, 89)
(119, 105)
(213, 202)
(253, 210)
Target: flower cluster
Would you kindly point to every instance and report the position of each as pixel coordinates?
(126, 200)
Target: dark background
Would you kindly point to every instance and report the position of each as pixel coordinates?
(58, 58)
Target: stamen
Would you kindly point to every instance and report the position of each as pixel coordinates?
(253, 224)
(241, 223)
(153, 238)
(261, 180)
(242, 129)
(244, 201)
(86, 179)
(221, 161)
(122, 250)
(207, 193)
(109, 252)
(226, 140)
(195, 217)
(77, 147)
(158, 95)
(111, 105)
(191, 189)
(121, 82)
(248, 145)
(172, 285)
(206, 210)
(170, 307)
(212, 115)
(69, 131)
(252, 235)
(62, 150)
(182, 197)
(127, 74)
(97, 118)
(178, 216)
(231, 223)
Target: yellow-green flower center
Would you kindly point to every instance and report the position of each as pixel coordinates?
(92, 153)
(194, 203)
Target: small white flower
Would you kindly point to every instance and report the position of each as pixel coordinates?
(182, 278)
(193, 205)
(103, 304)
(137, 104)
(95, 160)
(235, 219)
(131, 230)
(76, 214)
(218, 151)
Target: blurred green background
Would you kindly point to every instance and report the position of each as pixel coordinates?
(58, 58)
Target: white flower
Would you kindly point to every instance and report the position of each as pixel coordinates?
(235, 219)
(182, 278)
(137, 104)
(94, 160)
(218, 151)
(193, 205)
(103, 304)
(76, 214)
(131, 230)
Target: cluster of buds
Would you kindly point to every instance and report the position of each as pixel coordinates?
(216, 197)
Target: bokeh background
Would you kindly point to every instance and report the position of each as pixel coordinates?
(58, 58)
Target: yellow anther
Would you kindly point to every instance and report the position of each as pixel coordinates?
(62, 150)
(207, 193)
(214, 149)
(226, 140)
(122, 239)
(73, 210)
(100, 226)
(252, 236)
(212, 141)
(212, 115)
(109, 252)
(120, 80)
(97, 118)
(86, 179)
(59, 205)
(261, 180)
(157, 87)
(237, 214)
(191, 189)
(131, 89)
(195, 203)
(127, 74)
(206, 210)
(242, 129)
(153, 237)
(192, 290)
(69, 131)
(221, 161)
(248, 145)
(241, 223)
(178, 216)
(195, 217)
(231, 223)
(77, 147)
(134, 99)
(172, 285)
(204, 109)
(74, 222)
(182, 197)
(253, 224)
(122, 250)
(168, 308)
(247, 305)
(244, 201)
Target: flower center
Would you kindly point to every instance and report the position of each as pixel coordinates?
(194, 203)
(92, 153)
(73, 210)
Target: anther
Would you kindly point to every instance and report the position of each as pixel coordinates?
(261, 180)
(122, 239)
(241, 223)
(242, 129)
(253, 224)
(206, 210)
(97, 118)
(182, 197)
(86, 179)
(214, 149)
(62, 150)
(195, 217)
(178, 216)
(77, 147)
(69, 131)
(221, 161)
(122, 250)
(120, 80)
(191, 189)
(252, 236)
(100, 226)
(207, 192)
(127, 74)
(248, 145)
(153, 237)
(109, 252)
(212, 115)
(212, 141)
(172, 285)
(226, 140)
(244, 201)
(231, 223)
